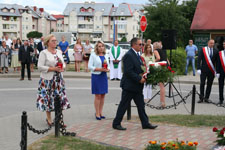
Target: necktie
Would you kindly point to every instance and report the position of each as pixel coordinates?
(211, 52)
(138, 56)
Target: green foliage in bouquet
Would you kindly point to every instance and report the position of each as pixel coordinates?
(220, 135)
(159, 74)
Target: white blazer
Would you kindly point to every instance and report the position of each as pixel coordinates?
(46, 59)
(95, 62)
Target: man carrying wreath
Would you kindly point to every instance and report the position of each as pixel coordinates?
(207, 58)
(116, 54)
(132, 87)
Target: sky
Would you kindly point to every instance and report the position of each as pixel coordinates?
(58, 6)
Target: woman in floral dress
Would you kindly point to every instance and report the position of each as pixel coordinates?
(51, 81)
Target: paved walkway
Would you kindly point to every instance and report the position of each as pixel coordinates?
(136, 138)
(81, 120)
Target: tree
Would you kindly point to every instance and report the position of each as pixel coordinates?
(34, 34)
(124, 39)
(169, 14)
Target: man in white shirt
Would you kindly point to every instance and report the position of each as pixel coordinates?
(115, 54)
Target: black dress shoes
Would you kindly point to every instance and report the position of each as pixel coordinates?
(150, 126)
(220, 103)
(200, 101)
(206, 101)
(118, 127)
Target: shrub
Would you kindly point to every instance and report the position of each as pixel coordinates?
(178, 60)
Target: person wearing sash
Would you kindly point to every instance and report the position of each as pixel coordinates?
(115, 55)
(207, 58)
(220, 68)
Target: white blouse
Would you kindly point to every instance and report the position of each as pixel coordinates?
(47, 59)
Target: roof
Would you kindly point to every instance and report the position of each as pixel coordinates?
(58, 16)
(10, 6)
(104, 7)
(209, 15)
(126, 9)
(38, 14)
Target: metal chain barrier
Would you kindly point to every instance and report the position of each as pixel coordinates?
(170, 106)
(210, 101)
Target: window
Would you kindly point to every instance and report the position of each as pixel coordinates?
(111, 18)
(26, 27)
(26, 18)
(6, 18)
(5, 10)
(12, 10)
(81, 26)
(122, 26)
(81, 18)
(5, 26)
(89, 10)
(100, 18)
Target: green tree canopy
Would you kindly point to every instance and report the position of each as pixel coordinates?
(169, 14)
(34, 34)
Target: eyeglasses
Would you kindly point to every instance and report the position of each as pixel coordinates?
(53, 41)
(141, 44)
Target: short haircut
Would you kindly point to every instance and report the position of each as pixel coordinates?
(134, 41)
(96, 47)
(47, 39)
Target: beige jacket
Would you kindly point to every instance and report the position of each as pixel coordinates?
(46, 59)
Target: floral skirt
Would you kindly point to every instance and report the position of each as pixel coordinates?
(47, 91)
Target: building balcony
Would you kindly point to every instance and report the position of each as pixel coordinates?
(121, 31)
(85, 22)
(85, 30)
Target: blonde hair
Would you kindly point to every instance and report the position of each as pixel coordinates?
(47, 39)
(96, 47)
(156, 45)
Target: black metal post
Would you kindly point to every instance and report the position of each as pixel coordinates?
(23, 143)
(129, 112)
(57, 117)
(193, 100)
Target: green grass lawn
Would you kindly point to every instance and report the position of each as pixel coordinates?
(190, 120)
(74, 143)
(67, 143)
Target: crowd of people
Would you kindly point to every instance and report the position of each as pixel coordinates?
(124, 67)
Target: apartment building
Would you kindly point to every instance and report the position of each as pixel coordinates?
(60, 23)
(17, 21)
(42, 21)
(102, 21)
(11, 19)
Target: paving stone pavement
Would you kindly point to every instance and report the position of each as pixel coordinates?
(136, 138)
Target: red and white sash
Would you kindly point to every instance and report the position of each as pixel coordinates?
(208, 60)
(222, 59)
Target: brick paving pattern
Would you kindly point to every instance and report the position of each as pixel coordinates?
(136, 138)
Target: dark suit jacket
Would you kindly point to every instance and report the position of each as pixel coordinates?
(202, 65)
(131, 73)
(40, 47)
(24, 56)
(219, 68)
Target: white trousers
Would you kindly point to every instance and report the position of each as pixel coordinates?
(147, 91)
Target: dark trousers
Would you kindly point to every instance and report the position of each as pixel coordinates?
(124, 103)
(23, 70)
(210, 77)
(221, 86)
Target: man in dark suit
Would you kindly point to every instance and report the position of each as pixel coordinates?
(41, 45)
(220, 68)
(207, 58)
(132, 86)
(24, 58)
